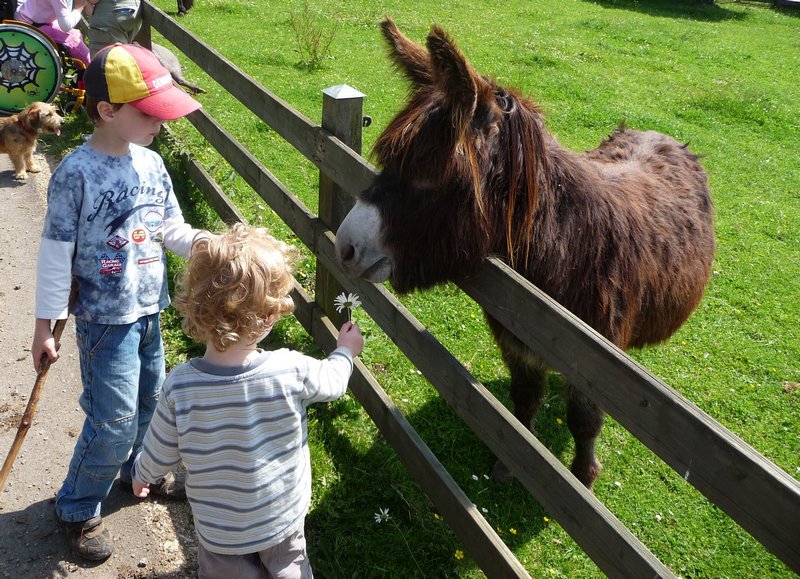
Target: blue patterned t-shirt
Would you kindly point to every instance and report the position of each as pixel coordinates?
(113, 209)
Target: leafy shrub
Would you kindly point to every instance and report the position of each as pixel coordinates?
(312, 35)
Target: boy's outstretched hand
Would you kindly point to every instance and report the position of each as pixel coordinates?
(350, 337)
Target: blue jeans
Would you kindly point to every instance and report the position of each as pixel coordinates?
(122, 368)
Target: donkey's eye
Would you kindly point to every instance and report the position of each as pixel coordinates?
(483, 116)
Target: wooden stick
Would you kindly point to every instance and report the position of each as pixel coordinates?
(30, 409)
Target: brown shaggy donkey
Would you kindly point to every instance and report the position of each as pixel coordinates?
(620, 235)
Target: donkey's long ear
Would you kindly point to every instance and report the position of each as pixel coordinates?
(454, 75)
(410, 57)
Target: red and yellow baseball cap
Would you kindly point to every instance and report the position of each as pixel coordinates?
(131, 74)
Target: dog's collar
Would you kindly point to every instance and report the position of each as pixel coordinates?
(27, 130)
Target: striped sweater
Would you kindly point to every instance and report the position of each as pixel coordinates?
(241, 432)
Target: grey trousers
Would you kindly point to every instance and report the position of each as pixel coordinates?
(286, 560)
(114, 21)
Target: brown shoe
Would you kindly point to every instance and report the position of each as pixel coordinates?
(90, 539)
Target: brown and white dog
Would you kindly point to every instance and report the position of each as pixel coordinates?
(18, 135)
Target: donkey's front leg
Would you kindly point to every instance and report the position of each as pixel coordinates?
(528, 387)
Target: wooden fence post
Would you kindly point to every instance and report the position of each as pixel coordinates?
(342, 108)
(145, 34)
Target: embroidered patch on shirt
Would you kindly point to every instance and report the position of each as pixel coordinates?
(117, 242)
(158, 239)
(111, 264)
(146, 260)
(153, 221)
(138, 235)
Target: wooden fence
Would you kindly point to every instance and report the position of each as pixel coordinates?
(754, 492)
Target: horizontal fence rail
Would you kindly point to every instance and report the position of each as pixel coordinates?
(753, 491)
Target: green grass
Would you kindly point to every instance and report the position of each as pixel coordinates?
(722, 77)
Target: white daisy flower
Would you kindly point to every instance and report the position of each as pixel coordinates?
(382, 515)
(347, 301)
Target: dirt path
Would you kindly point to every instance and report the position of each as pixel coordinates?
(152, 539)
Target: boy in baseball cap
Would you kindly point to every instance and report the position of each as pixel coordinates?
(111, 213)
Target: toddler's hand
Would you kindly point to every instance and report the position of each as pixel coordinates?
(140, 489)
(350, 337)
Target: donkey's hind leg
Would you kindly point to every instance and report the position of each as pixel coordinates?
(585, 420)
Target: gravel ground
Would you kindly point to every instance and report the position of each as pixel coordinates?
(152, 539)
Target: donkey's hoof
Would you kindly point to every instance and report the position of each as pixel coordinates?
(587, 474)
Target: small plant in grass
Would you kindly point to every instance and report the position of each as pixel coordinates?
(312, 35)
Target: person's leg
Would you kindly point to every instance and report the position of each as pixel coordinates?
(77, 46)
(216, 566)
(151, 377)
(110, 367)
(111, 24)
(72, 40)
(288, 559)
